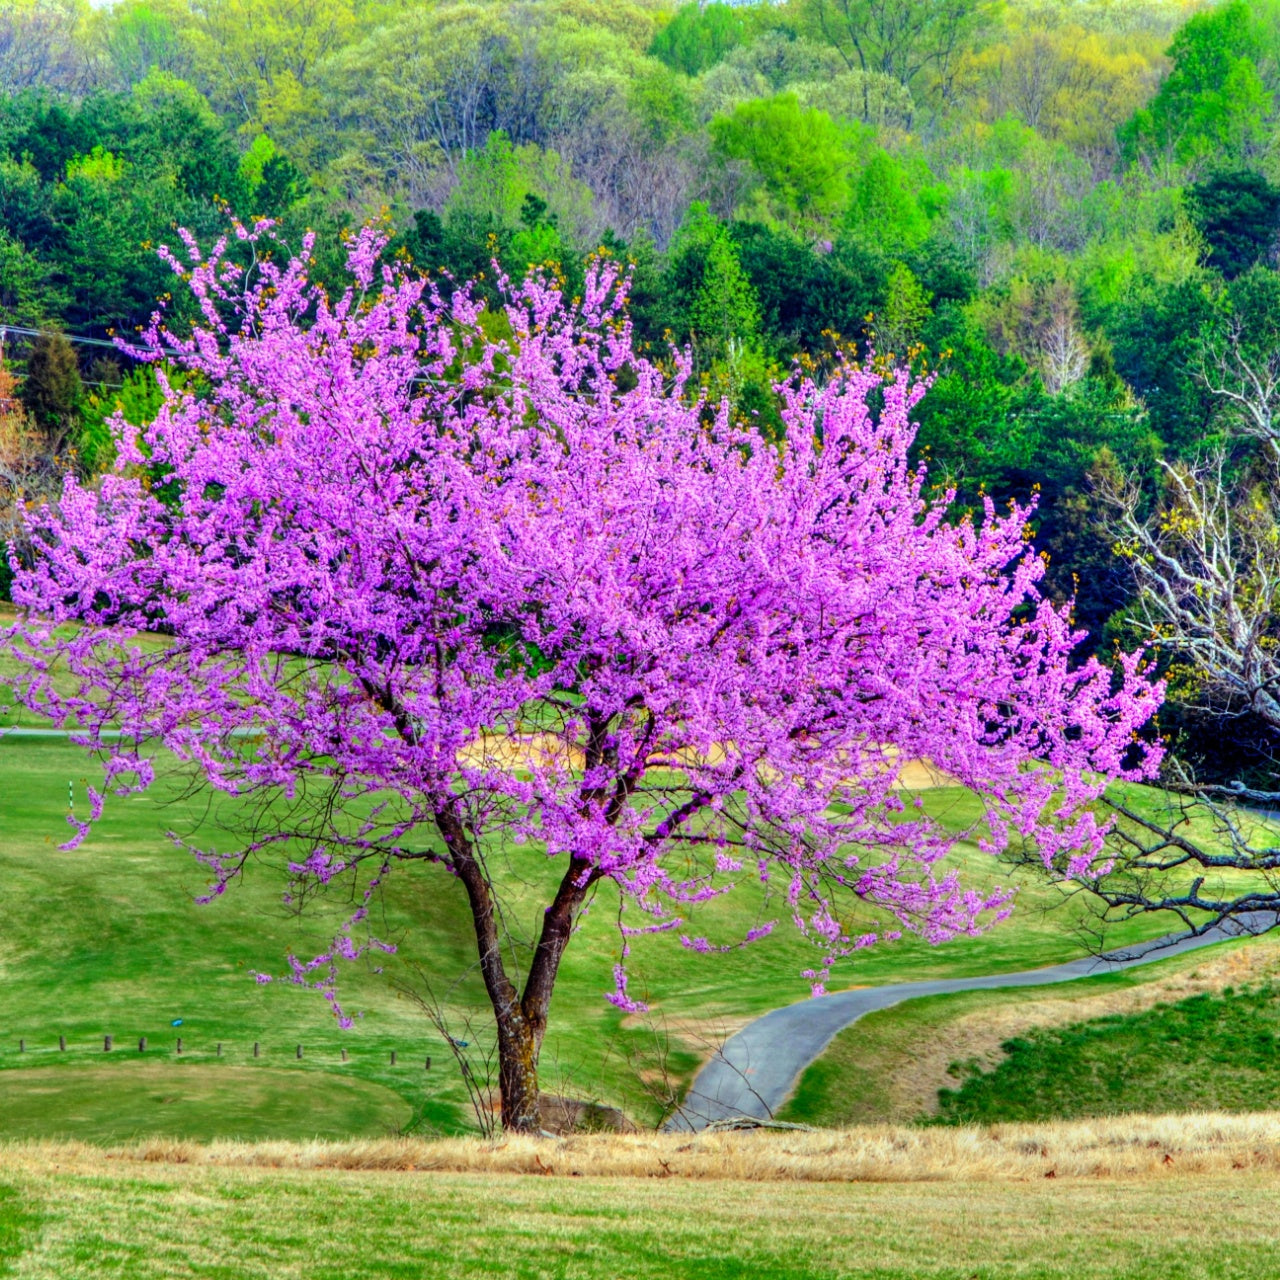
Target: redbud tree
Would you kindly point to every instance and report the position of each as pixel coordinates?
(484, 597)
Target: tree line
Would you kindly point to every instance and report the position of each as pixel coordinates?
(1065, 214)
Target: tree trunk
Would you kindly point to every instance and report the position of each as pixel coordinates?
(521, 1031)
(518, 1050)
(521, 1020)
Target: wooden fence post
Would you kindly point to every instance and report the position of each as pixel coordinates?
(393, 1057)
(106, 1044)
(142, 1044)
(62, 1043)
(218, 1052)
(255, 1048)
(179, 1044)
(22, 1046)
(428, 1066)
(299, 1053)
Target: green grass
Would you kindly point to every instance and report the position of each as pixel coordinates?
(16, 1222)
(200, 1100)
(108, 940)
(1181, 1067)
(1209, 1053)
(91, 1219)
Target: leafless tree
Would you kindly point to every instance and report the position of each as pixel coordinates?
(640, 184)
(1207, 569)
(1199, 856)
(1064, 354)
(1245, 376)
(1051, 186)
(39, 46)
(1206, 566)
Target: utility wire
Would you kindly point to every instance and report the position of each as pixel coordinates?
(6, 329)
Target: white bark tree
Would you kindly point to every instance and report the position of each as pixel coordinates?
(1206, 566)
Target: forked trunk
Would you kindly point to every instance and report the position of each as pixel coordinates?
(521, 1019)
(521, 1028)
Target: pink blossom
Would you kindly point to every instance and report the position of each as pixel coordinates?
(385, 538)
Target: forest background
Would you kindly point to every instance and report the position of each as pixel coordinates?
(1067, 212)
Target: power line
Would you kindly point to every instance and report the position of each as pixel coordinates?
(6, 329)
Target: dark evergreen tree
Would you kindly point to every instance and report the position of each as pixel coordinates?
(1238, 213)
(52, 388)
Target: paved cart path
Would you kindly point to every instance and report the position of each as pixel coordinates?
(752, 1075)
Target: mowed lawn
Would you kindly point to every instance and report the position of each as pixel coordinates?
(1195, 1032)
(83, 1216)
(108, 940)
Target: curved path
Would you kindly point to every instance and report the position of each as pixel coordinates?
(751, 1076)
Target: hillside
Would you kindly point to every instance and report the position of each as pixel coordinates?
(108, 940)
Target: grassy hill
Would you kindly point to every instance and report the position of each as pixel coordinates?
(1193, 1032)
(108, 940)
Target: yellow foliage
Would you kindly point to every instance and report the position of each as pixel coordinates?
(1069, 84)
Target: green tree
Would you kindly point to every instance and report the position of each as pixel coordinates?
(257, 59)
(393, 110)
(1157, 335)
(885, 207)
(699, 36)
(27, 291)
(137, 37)
(919, 45)
(524, 198)
(167, 126)
(870, 97)
(1253, 300)
(906, 309)
(137, 397)
(969, 411)
(712, 299)
(801, 155)
(780, 265)
(662, 102)
(273, 182)
(51, 388)
(1059, 445)
(1213, 104)
(848, 288)
(107, 212)
(40, 133)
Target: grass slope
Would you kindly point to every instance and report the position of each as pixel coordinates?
(97, 1218)
(98, 1102)
(1172, 1036)
(107, 940)
(1209, 1053)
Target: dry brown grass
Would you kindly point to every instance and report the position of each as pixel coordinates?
(1123, 1147)
(540, 750)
